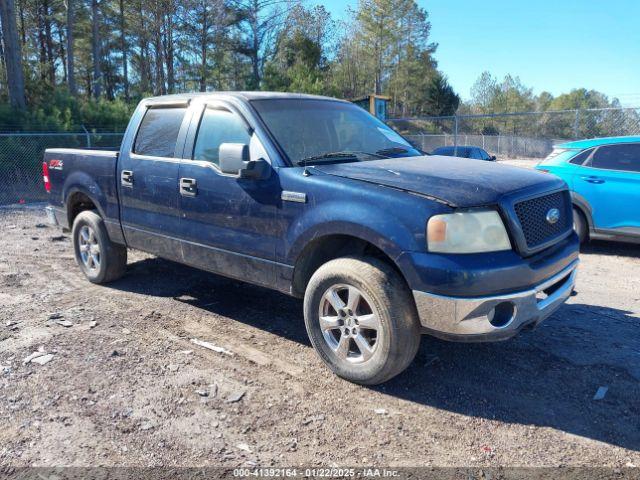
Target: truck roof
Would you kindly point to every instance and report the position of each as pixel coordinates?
(246, 96)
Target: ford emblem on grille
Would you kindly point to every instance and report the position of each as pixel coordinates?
(553, 216)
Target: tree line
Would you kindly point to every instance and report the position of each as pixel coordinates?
(508, 107)
(580, 113)
(65, 61)
(492, 95)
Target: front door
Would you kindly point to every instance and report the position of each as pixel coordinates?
(610, 181)
(148, 181)
(227, 223)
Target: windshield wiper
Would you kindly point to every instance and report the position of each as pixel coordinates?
(400, 150)
(392, 150)
(338, 155)
(323, 156)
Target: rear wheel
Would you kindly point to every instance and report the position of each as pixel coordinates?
(361, 319)
(99, 258)
(580, 225)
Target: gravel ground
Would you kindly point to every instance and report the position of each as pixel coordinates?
(125, 385)
(521, 162)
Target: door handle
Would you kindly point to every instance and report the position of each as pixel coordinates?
(593, 179)
(188, 187)
(126, 178)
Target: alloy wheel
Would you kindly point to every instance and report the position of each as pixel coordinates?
(350, 324)
(89, 248)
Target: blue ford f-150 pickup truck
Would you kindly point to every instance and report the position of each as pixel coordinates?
(314, 197)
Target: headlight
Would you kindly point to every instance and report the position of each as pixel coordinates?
(467, 232)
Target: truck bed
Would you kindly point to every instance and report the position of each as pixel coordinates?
(105, 151)
(72, 170)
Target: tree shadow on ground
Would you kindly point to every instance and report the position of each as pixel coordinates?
(546, 377)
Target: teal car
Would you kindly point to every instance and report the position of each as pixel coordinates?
(603, 175)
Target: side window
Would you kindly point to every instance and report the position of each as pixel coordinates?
(218, 126)
(158, 132)
(581, 157)
(624, 157)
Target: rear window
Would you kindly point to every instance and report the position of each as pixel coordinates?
(581, 157)
(158, 132)
(556, 152)
(625, 157)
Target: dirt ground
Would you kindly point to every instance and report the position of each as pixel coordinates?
(126, 386)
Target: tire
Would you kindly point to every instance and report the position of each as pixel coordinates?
(100, 259)
(339, 325)
(580, 225)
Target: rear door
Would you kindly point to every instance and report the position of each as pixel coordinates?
(148, 181)
(228, 223)
(610, 182)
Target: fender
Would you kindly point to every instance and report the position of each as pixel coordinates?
(81, 182)
(365, 222)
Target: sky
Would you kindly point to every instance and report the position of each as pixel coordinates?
(552, 45)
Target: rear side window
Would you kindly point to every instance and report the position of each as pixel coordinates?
(216, 127)
(581, 157)
(443, 151)
(464, 153)
(158, 132)
(625, 157)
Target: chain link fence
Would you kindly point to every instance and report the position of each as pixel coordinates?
(518, 135)
(21, 160)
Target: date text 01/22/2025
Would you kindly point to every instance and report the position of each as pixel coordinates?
(316, 472)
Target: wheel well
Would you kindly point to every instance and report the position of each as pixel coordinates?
(323, 249)
(78, 202)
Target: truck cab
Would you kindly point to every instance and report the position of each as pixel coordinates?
(314, 197)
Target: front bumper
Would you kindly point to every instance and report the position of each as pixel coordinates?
(496, 317)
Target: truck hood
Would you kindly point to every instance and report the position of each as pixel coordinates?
(458, 182)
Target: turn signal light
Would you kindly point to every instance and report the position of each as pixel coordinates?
(437, 230)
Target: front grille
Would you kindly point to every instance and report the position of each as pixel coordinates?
(532, 215)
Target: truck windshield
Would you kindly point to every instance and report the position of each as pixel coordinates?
(325, 131)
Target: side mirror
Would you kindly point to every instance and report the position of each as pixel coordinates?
(232, 157)
(234, 160)
(256, 170)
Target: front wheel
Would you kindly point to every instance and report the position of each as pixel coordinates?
(580, 225)
(100, 259)
(361, 319)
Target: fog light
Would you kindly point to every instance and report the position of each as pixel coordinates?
(502, 314)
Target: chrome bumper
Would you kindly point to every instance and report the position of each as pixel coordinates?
(51, 216)
(493, 318)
